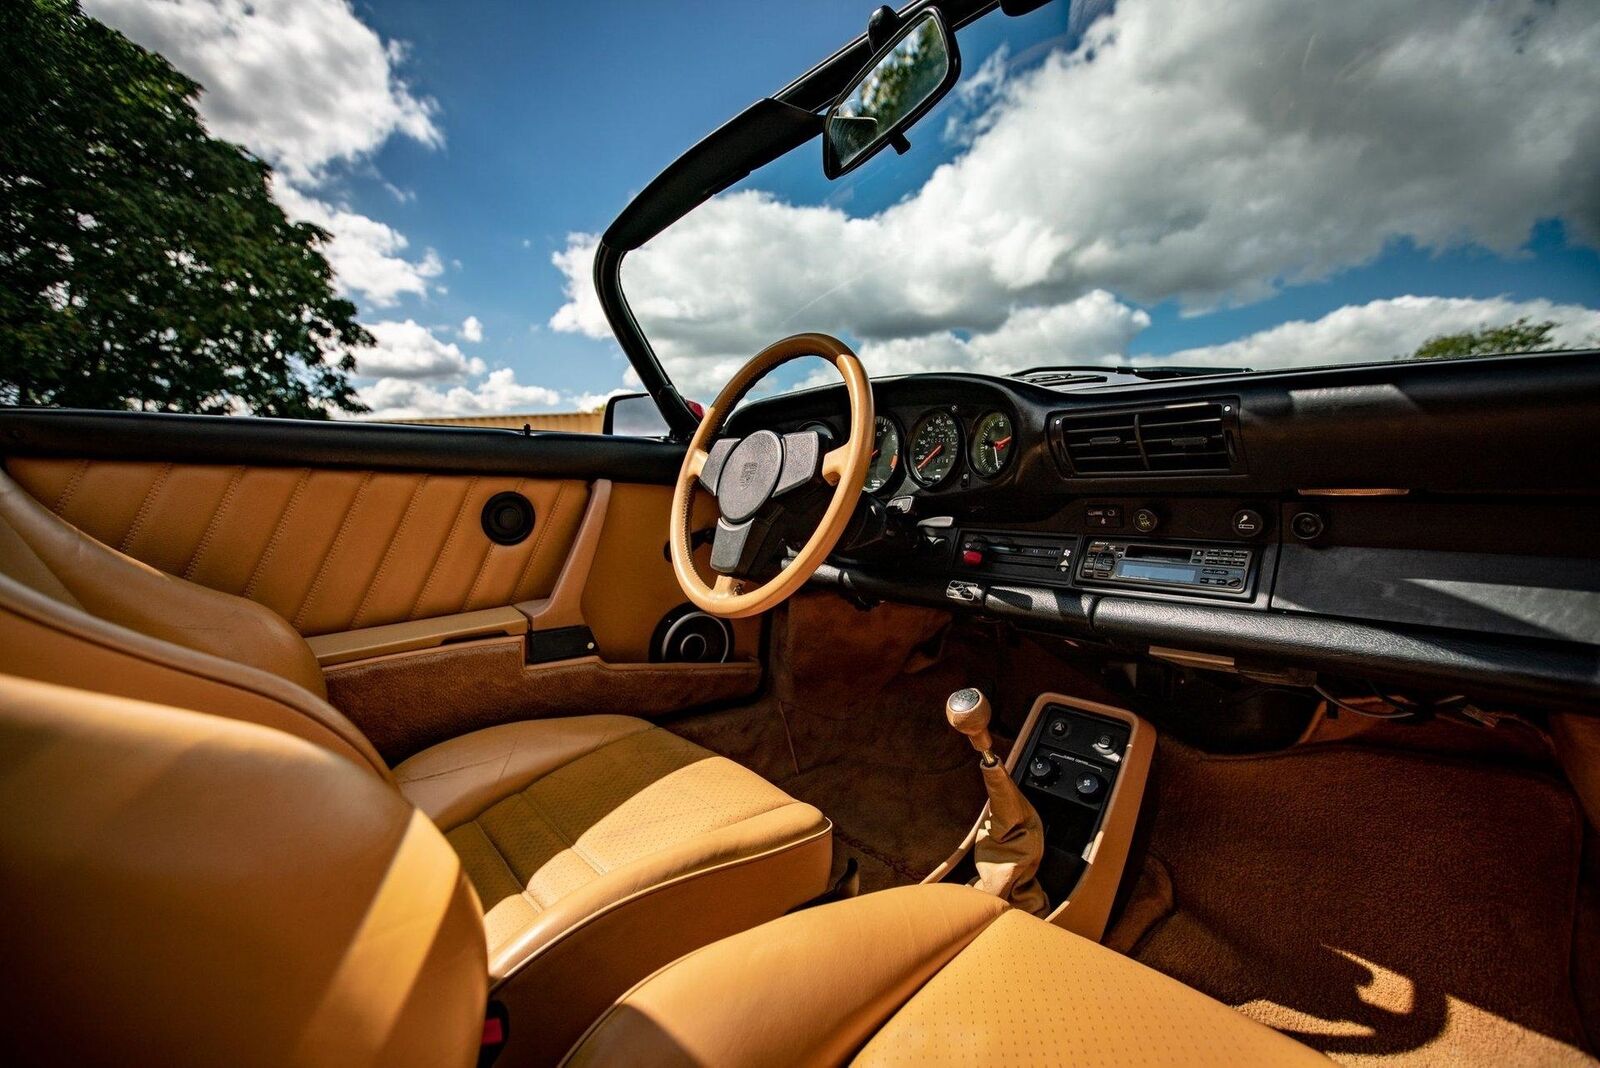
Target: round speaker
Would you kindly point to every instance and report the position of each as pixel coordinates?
(507, 518)
(688, 635)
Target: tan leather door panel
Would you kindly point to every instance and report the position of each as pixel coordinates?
(328, 550)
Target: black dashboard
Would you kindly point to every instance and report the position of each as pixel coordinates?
(1428, 523)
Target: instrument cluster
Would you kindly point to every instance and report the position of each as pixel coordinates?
(941, 444)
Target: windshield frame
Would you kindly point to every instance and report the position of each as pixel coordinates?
(771, 127)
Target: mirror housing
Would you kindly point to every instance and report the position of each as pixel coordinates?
(633, 415)
(913, 70)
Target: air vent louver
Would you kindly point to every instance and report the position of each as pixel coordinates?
(1177, 439)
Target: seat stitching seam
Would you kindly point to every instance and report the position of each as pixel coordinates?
(538, 542)
(388, 554)
(144, 508)
(505, 853)
(277, 533)
(333, 550)
(444, 549)
(522, 887)
(221, 509)
(561, 833)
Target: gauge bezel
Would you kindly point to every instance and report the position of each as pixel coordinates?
(899, 472)
(960, 449)
(972, 444)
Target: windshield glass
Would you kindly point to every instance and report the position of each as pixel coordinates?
(1259, 184)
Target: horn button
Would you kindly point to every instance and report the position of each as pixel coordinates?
(749, 476)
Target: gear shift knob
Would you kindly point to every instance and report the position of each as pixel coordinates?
(968, 712)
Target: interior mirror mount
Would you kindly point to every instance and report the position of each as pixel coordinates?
(914, 67)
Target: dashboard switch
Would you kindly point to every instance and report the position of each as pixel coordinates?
(1145, 520)
(972, 557)
(1247, 523)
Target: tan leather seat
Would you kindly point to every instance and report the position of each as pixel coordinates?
(602, 847)
(925, 975)
(187, 889)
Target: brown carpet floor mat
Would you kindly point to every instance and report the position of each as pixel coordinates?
(853, 723)
(1381, 906)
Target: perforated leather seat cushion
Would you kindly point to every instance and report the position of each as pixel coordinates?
(922, 975)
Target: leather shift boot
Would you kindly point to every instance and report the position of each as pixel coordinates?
(1010, 845)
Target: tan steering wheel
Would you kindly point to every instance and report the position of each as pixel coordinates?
(744, 474)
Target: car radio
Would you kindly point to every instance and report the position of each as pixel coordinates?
(1214, 570)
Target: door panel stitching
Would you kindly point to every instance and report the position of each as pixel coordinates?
(538, 543)
(388, 554)
(212, 527)
(483, 565)
(444, 549)
(333, 550)
(145, 507)
(277, 533)
(65, 496)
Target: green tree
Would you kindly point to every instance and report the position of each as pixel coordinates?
(1519, 336)
(143, 263)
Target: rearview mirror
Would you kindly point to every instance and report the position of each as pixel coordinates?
(907, 76)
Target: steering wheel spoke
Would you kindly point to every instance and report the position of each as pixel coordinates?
(710, 462)
(734, 545)
(834, 463)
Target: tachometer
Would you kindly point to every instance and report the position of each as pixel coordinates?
(935, 447)
(885, 454)
(991, 444)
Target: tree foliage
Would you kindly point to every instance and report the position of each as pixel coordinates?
(1518, 336)
(143, 263)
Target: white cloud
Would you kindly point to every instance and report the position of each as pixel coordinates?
(1202, 153)
(499, 393)
(366, 255)
(302, 83)
(471, 329)
(1389, 329)
(409, 350)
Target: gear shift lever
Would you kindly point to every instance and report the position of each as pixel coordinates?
(1010, 840)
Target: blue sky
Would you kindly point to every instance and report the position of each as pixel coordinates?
(1110, 183)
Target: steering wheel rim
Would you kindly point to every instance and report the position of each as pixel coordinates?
(844, 467)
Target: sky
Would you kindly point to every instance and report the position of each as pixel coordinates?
(1261, 183)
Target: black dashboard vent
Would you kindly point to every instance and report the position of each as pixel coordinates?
(1175, 439)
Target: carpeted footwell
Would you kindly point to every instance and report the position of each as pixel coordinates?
(1380, 906)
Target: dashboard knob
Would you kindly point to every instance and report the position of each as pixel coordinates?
(1307, 526)
(1042, 769)
(1088, 786)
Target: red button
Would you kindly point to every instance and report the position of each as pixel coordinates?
(971, 557)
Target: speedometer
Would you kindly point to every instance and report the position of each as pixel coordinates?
(885, 454)
(935, 447)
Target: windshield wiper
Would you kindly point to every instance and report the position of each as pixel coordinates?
(1150, 372)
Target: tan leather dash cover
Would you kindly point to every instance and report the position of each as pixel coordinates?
(328, 550)
(189, 889)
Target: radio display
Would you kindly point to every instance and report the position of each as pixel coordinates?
(1154, 572)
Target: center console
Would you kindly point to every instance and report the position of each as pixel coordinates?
(1083, 766)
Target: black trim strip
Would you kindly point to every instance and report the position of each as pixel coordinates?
(366, 446)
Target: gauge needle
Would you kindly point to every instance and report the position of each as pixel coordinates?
(937, 449)
(1000, 443)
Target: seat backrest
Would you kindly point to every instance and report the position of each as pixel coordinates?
(192, 890)
(76, 612)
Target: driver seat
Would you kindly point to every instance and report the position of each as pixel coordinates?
(600, 846)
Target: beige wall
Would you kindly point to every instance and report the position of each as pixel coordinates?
(572, 422)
